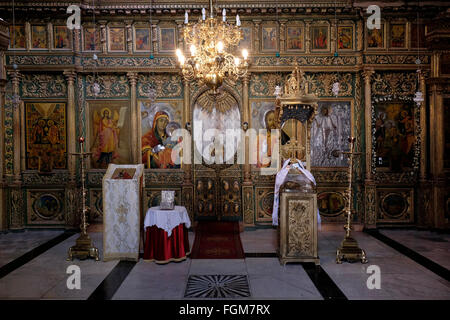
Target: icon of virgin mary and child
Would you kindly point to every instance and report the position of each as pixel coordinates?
(157, 143)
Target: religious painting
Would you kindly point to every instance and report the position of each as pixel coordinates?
(91, 37)
(397, 35)
(214, 115)
(375, 38)
(394, 135)
(61, 37)
(142, 40)
(109, 133)
(446, 105)
(167, 39)
(158, 122)
(39, 37)
(319, 38)
(246, 41)
(263, 121)
(294, 38)
(331, 203)
(395, 205)
(417, 35)
(330, 131)
(345, 38)
(45, 126)
(17, 35)
(269, 38)
(116, 39)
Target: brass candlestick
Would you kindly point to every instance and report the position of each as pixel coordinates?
(83, 248)
(349, 250)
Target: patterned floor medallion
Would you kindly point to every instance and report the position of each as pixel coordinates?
(217, 286)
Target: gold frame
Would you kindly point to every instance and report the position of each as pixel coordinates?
(69, 34)
(113, 26)
(139, 149)
(142, 26)
(160, 28)
(406, 40)
(366, 35)
(277, 28)
(353, 37)
(311, 30)
(46, 36)
(83, 40)
(24, 34)
(302, 27)
(352, 126)
(89, 127)
(247, 26)
(408, 192)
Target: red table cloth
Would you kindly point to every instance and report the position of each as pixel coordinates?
(160, 248)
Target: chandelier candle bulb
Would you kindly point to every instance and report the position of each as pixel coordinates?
(224, 15)
(245, 54)
(186, 18)
(220, 46)
(193, 50)
(203, 14)
(238, 21)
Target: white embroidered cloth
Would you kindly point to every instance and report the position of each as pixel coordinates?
(167, 219)
(279, 180)
(121, 214)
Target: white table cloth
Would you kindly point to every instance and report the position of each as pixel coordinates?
(167, 219)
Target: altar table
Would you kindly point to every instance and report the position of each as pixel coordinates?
(166, 234)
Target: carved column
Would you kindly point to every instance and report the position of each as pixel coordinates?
(307, 36)
(102, 23)
(136, 157)
(437, 150)
(334, 32)
(423, 127)
(28, 35)
(71, 115)
(16, 197)
(129, 32)
(246, 118)
(247, 188)
(3, 222)
(370, 188)
(257, 41)
(15, 79)
(154, 27)
(180, 26)
(187, 196)
(187, 118)
(282, 36)
(77, 40)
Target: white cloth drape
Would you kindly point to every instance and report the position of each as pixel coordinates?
(167, 219)
(280, 179)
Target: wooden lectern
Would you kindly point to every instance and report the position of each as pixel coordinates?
(296, 110)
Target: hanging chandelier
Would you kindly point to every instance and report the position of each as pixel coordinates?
(211, 43)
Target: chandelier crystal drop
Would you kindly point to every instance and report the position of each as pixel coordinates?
(211, 43)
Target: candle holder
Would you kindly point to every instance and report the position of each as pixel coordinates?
(83, 247)
(349, 250)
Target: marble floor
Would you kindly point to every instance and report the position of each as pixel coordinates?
(45, 277)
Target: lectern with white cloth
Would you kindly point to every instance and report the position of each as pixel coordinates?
(295, 187)
(122, 207)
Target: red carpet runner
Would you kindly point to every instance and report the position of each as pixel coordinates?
(217, 240)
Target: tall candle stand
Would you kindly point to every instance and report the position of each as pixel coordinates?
(83, 248)
(349, 250)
